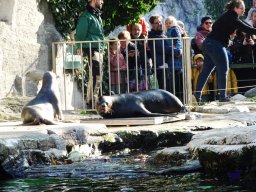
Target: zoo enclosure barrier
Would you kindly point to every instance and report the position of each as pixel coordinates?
(81, 82)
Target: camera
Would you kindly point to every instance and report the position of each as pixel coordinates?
(247, 38)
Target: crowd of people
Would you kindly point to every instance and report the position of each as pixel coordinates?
(145, 55)
(154, 49)
(216, 41)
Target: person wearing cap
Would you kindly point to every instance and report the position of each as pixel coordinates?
(198, 62)
(215, 47)
(202, 31)
(183, 31)
(90, 28)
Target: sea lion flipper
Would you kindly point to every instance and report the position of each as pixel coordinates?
(146, 112)
(48, 122)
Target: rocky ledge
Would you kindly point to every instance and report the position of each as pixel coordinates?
(218, 137)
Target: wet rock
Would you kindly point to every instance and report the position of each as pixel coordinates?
(170, 156)
(81, 152)
(146, 140)
(57, 154)
(15, 165)
(78, 134)
(189, 167)
(58, 141)
(75, 156)
(24, 149)
(223, 160)
(224, 152)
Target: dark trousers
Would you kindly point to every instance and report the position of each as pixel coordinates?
(177, 77)
(95, 65)
(215, 55)
(163, 78)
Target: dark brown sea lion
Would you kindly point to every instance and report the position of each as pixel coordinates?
(149, 103)
(46, 105)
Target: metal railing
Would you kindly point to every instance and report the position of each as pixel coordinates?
(86, 70)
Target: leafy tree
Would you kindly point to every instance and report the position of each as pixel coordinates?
(115, 12)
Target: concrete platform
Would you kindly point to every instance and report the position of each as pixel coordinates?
(137, 120)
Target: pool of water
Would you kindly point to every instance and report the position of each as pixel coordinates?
(125, 173)
(188, 182)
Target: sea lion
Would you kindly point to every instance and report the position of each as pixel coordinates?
(46, 105)
(148, 103)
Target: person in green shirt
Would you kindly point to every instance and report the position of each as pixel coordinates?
(90, 28)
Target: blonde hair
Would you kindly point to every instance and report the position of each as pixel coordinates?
(181, 24)
(124, 35)
(137, 25)
(172, 20)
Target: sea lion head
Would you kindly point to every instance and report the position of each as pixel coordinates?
(49, 80)
(104, 105)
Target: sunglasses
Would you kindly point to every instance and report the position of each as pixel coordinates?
(208, 22)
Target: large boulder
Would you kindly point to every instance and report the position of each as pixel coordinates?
(21, 150)
(251, 92)
(146, 139)
(227, 153)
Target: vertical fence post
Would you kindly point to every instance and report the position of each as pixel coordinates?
(187, 78)
(53, 58)
(186, 63)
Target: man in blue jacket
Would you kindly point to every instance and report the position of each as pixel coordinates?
(158, 53)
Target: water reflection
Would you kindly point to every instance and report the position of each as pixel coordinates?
(189, 182)
(126, 173)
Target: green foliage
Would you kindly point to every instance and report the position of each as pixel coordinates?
(82, 76)
(216, 8)
(65, 12)
(120, 12)
(115, 12)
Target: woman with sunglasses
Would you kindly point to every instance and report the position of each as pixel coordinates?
(202, 31)
(215, 44)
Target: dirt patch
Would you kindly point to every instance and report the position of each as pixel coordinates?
(10, 108)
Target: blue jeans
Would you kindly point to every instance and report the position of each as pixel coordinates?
(215, 55)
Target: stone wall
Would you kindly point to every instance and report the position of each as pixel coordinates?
(26, 32)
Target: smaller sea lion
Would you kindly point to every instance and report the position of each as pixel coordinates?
(46, 105)
(150, 103)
